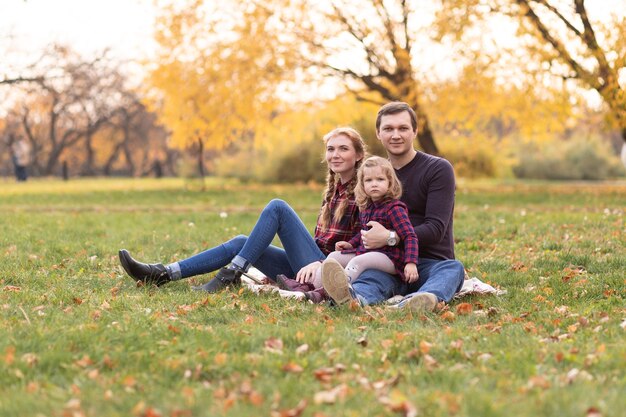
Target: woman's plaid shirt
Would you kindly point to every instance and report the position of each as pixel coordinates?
(343, 228)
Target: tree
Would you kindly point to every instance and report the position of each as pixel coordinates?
(217, 72)
(70, 101)
(373, 46)
(567, 40)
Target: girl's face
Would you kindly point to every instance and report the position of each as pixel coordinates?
(375, 183)
(342, 157)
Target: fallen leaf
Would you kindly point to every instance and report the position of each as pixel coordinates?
(593, 412)
(538, 381)
(448, 316)
(220, 358)
(324, 374)
(464, 308)
(425, 347)
(331, 396)
(292, 412)
(274, 345)
(292, 367)
(302, 349)
(9, 355)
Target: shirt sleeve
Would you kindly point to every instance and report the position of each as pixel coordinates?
(439, 205)
(402, 225)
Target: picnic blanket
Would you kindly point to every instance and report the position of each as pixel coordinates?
(261, 283)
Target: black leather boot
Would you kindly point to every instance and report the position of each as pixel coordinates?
(229, 276)
(155, 274)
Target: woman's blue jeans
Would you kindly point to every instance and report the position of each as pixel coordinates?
(277, 218)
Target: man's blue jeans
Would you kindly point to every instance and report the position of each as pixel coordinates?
(444, 278)
(277, 218)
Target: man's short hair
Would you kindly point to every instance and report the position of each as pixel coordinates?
(396, 107)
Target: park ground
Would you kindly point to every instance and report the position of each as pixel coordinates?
(78, 338)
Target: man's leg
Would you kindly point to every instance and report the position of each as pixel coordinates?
(443, 278)
(374, 286)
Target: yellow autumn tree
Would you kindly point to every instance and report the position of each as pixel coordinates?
(218, 67)
(569, 41)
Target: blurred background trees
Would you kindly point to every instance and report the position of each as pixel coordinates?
(532, 89)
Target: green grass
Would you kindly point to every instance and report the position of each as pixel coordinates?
(77, 338)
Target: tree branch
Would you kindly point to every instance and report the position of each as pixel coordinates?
(556, 44)
(18, 80)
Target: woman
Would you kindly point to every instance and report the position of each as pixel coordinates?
(303, 254)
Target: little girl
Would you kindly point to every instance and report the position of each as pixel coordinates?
(377, 192)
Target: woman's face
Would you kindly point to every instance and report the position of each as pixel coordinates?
(341, 156)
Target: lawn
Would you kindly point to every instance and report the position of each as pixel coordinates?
(78, 338)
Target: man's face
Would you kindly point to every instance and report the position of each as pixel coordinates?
(396, 133)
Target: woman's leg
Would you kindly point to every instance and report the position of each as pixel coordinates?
(278, 218)
(273, 260)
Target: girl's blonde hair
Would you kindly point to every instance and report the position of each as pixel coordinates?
(333, 179)
(395, 187)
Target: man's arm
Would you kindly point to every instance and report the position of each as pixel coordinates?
(439, 205)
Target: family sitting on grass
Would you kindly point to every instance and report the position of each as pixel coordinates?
(365, 245)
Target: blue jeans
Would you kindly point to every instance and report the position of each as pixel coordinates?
(444, 278)
(277, 218)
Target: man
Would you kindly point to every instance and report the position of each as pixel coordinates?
(428, 191)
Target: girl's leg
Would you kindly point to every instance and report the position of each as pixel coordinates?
(369, 260)
(342, 258)
(277, 218)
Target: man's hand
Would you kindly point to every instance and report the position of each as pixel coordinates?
(342, 245)
(375, 237)
(307, 273)
(410, 273)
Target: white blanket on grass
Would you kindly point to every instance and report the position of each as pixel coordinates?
(470, 286)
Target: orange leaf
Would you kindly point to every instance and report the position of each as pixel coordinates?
(292, 367)
(464, 308)
(9, 355)
(448, 316)
(220, 358)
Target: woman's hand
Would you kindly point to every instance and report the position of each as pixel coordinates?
(342, 245)
(307, 273)
(375, 237)
(410, 273)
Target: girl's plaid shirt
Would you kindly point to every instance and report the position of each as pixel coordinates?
(393, 215)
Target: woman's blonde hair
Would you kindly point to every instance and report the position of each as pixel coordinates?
(395, 187)
(333, 179)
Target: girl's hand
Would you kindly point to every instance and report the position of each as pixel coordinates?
(307, 273)
(341, 245)
(410, 273)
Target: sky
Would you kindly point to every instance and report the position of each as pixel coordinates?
(88, 26)
(123, 26)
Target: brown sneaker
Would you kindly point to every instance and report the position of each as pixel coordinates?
(335, 282)
(422, 301)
